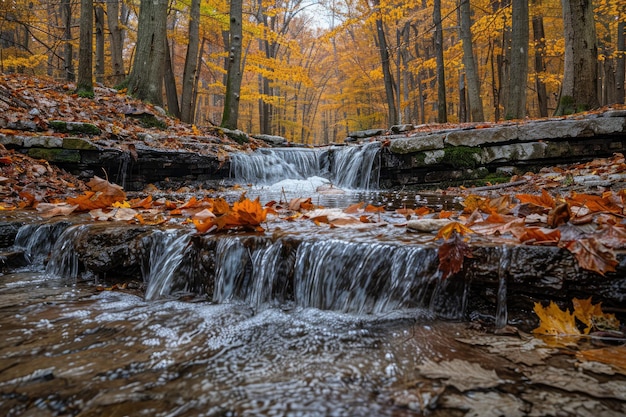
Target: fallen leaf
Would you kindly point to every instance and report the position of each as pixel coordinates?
(554, 321)
(453, 227)
(591, 314)
(451, 254)
(592, 255)
(613, 355)
(460, 374)
(47, 210)
(545, 200)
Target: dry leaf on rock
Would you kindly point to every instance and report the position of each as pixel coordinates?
(462, 375)
(487, 404)
(592, 255)
(47, 210)
(574, 381)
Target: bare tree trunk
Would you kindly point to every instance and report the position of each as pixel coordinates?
(442, 111)
(171, 94)
(146, 78)
(620, 70)
(117, 41)
(579, 90)
(235, 74)
(84, 83)
(516, 103)
(99, 15)
(384, 58)
(471, 71)
(540, 66)
(68, 51)
(187, 112)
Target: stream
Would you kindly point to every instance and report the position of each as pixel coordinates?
(327, 343)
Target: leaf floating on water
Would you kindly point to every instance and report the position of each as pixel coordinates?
(593, 317)
(554, 321)
(613, 355)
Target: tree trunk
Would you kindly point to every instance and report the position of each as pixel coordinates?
(516, 103)
(471, 72)
(84, 83)
(442, 114)
(384, 58)
(68, 51)
(117, 41)
(99, 15)
(234, 75)
(579, 89)
(171, 93)
(146, 78)
(540, 65)
(620, 67)
(187, 112)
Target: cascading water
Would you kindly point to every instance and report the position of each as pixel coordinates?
(351, 166)
(37, 240)
(166, 253)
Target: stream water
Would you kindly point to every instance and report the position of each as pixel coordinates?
(356, 330)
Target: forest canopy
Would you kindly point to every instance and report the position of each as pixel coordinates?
(312, 71)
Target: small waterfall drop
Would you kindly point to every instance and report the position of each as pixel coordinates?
(37, 240)
(350, 166)
(353, 165)
(503, 271)
(268, 166)
(64, 260)
(167, 250)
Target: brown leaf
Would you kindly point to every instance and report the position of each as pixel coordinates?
(452, 253)
(592, 255)
(47, 210)
(559, 215)
(545, 200)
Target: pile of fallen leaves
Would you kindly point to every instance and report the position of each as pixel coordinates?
(26, 182)
(28, 105)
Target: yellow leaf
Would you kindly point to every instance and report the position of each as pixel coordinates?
(554, 321)
(592, 316)
(121, 204)
(446, 231)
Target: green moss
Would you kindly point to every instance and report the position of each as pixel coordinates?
(150, 121)
(461, 157)
(85, 93)
(55, 155)
(74, 127)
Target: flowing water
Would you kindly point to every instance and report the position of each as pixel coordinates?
(312, 323)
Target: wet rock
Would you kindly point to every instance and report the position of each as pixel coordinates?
(362, 134)
(111, 250)
(402, 128)
(236, 135)
(271, 139)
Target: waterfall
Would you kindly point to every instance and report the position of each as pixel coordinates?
(353, 165)
(501, 306)
(350, 166)
(350, 277)
(64, 260)
(267, 166)
(167, 249)
(37, 240)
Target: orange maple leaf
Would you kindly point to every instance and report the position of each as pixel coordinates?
(596, 203)
(546, 200)
(590, 314)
